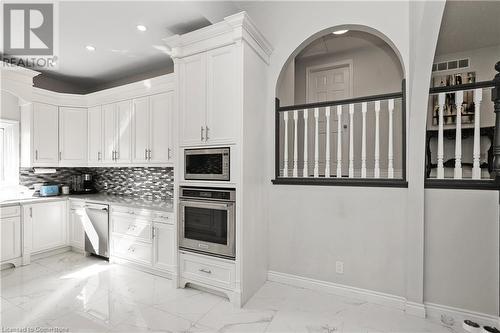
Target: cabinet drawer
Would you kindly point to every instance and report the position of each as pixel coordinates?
(132, 227)
(211, 271)
(145, 213)
(10, 211)
(163, 217)
(130, 249)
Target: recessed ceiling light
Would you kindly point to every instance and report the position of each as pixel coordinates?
(340, 32)
(141, 27)
(90, 48)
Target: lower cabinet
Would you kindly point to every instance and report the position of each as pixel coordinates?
(76, 220)
(48, 224)
(10, 225)
(143, 237)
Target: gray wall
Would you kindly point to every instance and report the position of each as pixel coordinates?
(462, 249)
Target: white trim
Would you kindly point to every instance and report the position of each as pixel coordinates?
(376, 297)
(439, 312)
(337, 64)
(435, 311)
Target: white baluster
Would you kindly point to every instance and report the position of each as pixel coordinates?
(363, 141)
(440, 152)
(476, 167)
(376, 171)
(316, 142)
(327, 158)
(305, 171)
(459, 98)
(295, 143)
(390, 150)
(285, 158)
(339, 141)
(351, 141)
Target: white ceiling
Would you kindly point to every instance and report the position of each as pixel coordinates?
(469, 25)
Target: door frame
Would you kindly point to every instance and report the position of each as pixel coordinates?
(317, 68)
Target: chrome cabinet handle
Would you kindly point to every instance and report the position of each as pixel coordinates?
(113, 155)
(168, 153)
(153, 232)
(36, 154)
(31, 211)
(206, 133)
(98, 155)
(149, 154)
(60, 155)
(202, 129)
(205, 270)
(145, 153)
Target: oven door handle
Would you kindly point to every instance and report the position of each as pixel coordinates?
(206, 204)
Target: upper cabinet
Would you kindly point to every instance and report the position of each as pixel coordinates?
(72, 136)
(208, 86)
(45, 127)
(152, 124)
(95, 135)
(116, 133)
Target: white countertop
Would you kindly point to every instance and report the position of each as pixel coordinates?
(110, 199)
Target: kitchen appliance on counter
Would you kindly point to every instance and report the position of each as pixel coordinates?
(49, 190)
(97, 231)
(82, 184)
(207, 164)
(207, 221)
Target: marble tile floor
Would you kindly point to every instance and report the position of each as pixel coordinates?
(85, 294)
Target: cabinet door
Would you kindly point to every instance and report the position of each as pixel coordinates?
(140, 124)
(164, 247)
(11, 238)
(95, 135)
(222, 91)
(72, 136)
(161, 112)
(45, 135)
(192, 99)
(124, 132)
(108, 130)
(76, 232)
(48, 225)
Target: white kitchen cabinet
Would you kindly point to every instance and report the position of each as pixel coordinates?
(95, 135)
(141, 135)
(164, 248)
(123, 145)
(108, 130)
(193, 99)
(72, 136)
(222, 85)
(76, 231)
(45, 135)
(48, 225)
(10, 227)
(152, 129)
(208, 91)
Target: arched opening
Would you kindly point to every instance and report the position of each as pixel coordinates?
(341, 109)
(467, 49)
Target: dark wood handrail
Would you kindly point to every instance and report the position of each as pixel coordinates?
(459, 87)
(341, 102)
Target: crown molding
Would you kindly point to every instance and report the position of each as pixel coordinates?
(18, 81)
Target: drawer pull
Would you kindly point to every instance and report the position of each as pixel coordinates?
(205, 270)
(131, 212)
(131, 249)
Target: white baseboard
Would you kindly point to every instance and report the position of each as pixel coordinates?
(445, 314)
(454, 317)
(338, 289)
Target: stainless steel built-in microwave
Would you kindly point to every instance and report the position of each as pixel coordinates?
(207, 164)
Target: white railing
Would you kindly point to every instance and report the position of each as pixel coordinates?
(362, 138)
(462, 137)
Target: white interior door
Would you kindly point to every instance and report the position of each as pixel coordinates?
(73, 136)
(95, 135)
(140, 125)
(45, 135)
(329, 83)
(161, 109)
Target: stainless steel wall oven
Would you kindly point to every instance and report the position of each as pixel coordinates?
(207, 221)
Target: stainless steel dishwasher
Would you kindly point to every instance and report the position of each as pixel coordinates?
(97, 229)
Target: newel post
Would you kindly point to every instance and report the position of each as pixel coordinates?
(495, 98)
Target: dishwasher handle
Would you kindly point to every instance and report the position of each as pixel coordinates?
(96, 207)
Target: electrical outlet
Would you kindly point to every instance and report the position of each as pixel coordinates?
(339, 267)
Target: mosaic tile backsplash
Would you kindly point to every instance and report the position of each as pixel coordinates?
(151, 183)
